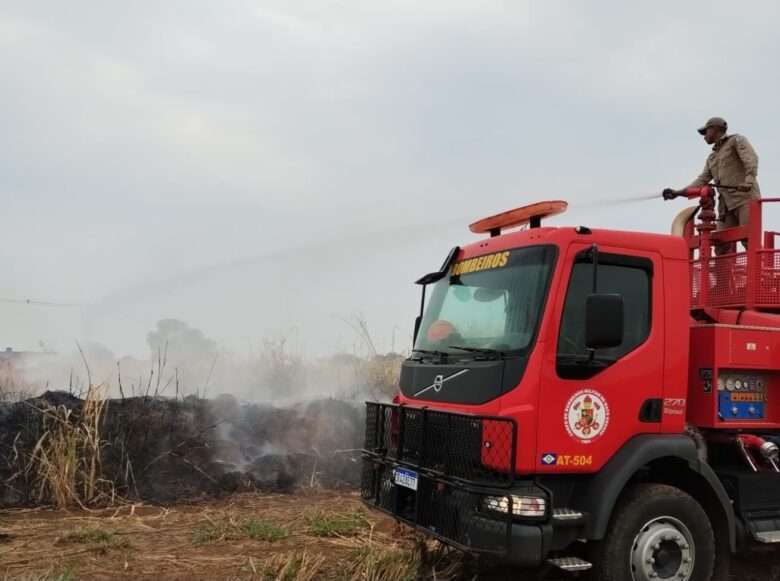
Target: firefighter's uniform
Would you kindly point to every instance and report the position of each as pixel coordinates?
(733, 162)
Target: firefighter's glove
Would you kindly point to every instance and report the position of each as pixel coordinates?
(669, 194)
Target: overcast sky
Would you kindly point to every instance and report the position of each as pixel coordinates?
(265, 168)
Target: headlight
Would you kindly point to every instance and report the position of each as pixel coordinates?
(528, 506)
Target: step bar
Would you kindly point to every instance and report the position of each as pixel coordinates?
(567, 515)
(768, 537)
(570, 564)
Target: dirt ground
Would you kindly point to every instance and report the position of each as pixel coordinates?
(257, 537)
(247, 537)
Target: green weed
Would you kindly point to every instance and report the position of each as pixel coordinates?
(337, 525)
(97, 540)
(261, 530)
(229, 529)
(88, 537)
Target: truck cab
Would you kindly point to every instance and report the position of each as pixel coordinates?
(571, 395)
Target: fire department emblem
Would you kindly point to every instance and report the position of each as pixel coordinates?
(586, 416)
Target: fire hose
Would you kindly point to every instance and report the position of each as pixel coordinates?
(690, 193)
(696, 192)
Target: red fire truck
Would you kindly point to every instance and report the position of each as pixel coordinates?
(592, 399)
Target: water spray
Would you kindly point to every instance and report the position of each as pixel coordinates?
(633, 199)
(690, 193)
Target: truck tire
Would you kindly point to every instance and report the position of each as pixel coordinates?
(656, 532)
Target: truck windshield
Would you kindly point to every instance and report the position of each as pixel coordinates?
(488, 303)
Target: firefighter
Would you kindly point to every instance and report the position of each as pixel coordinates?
(734, 163)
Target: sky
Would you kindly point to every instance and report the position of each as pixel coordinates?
(283, 168)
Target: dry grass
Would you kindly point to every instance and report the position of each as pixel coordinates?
(248, 538)
(375, 562)
(65, 464)
(372, 561)
(382, 374)
(52, 575)
(404, 559)
(295, 566)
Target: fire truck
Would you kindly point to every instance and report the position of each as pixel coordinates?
(592, 400)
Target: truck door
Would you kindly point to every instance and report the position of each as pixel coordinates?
(592, 403)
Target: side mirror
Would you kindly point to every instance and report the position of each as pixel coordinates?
(603, 321)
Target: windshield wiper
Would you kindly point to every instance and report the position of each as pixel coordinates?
(440, 354)
(480, 350)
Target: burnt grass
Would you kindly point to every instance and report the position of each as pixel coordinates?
(164, 450)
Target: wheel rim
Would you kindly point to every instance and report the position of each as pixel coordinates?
(663, 549)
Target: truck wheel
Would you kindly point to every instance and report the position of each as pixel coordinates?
(656, 532)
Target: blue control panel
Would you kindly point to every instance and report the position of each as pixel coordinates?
(741, 397)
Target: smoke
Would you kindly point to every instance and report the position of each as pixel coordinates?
(303, 284)
(182, 361)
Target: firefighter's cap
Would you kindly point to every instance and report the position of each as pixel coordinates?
(714, 122)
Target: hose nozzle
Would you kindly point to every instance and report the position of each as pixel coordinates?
(771, 453)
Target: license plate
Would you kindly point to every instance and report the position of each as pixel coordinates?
(405, 478)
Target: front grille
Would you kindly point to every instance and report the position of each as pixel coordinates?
(476, 449)
(458, 459)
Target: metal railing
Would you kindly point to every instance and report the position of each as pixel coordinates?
(737, 279)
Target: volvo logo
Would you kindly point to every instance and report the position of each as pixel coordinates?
(439, 381)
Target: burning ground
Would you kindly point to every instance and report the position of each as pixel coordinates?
(61, 450)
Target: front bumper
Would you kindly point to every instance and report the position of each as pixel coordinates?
(454, 513)
(459, 460)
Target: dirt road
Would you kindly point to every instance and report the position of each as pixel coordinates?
(303, 537)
